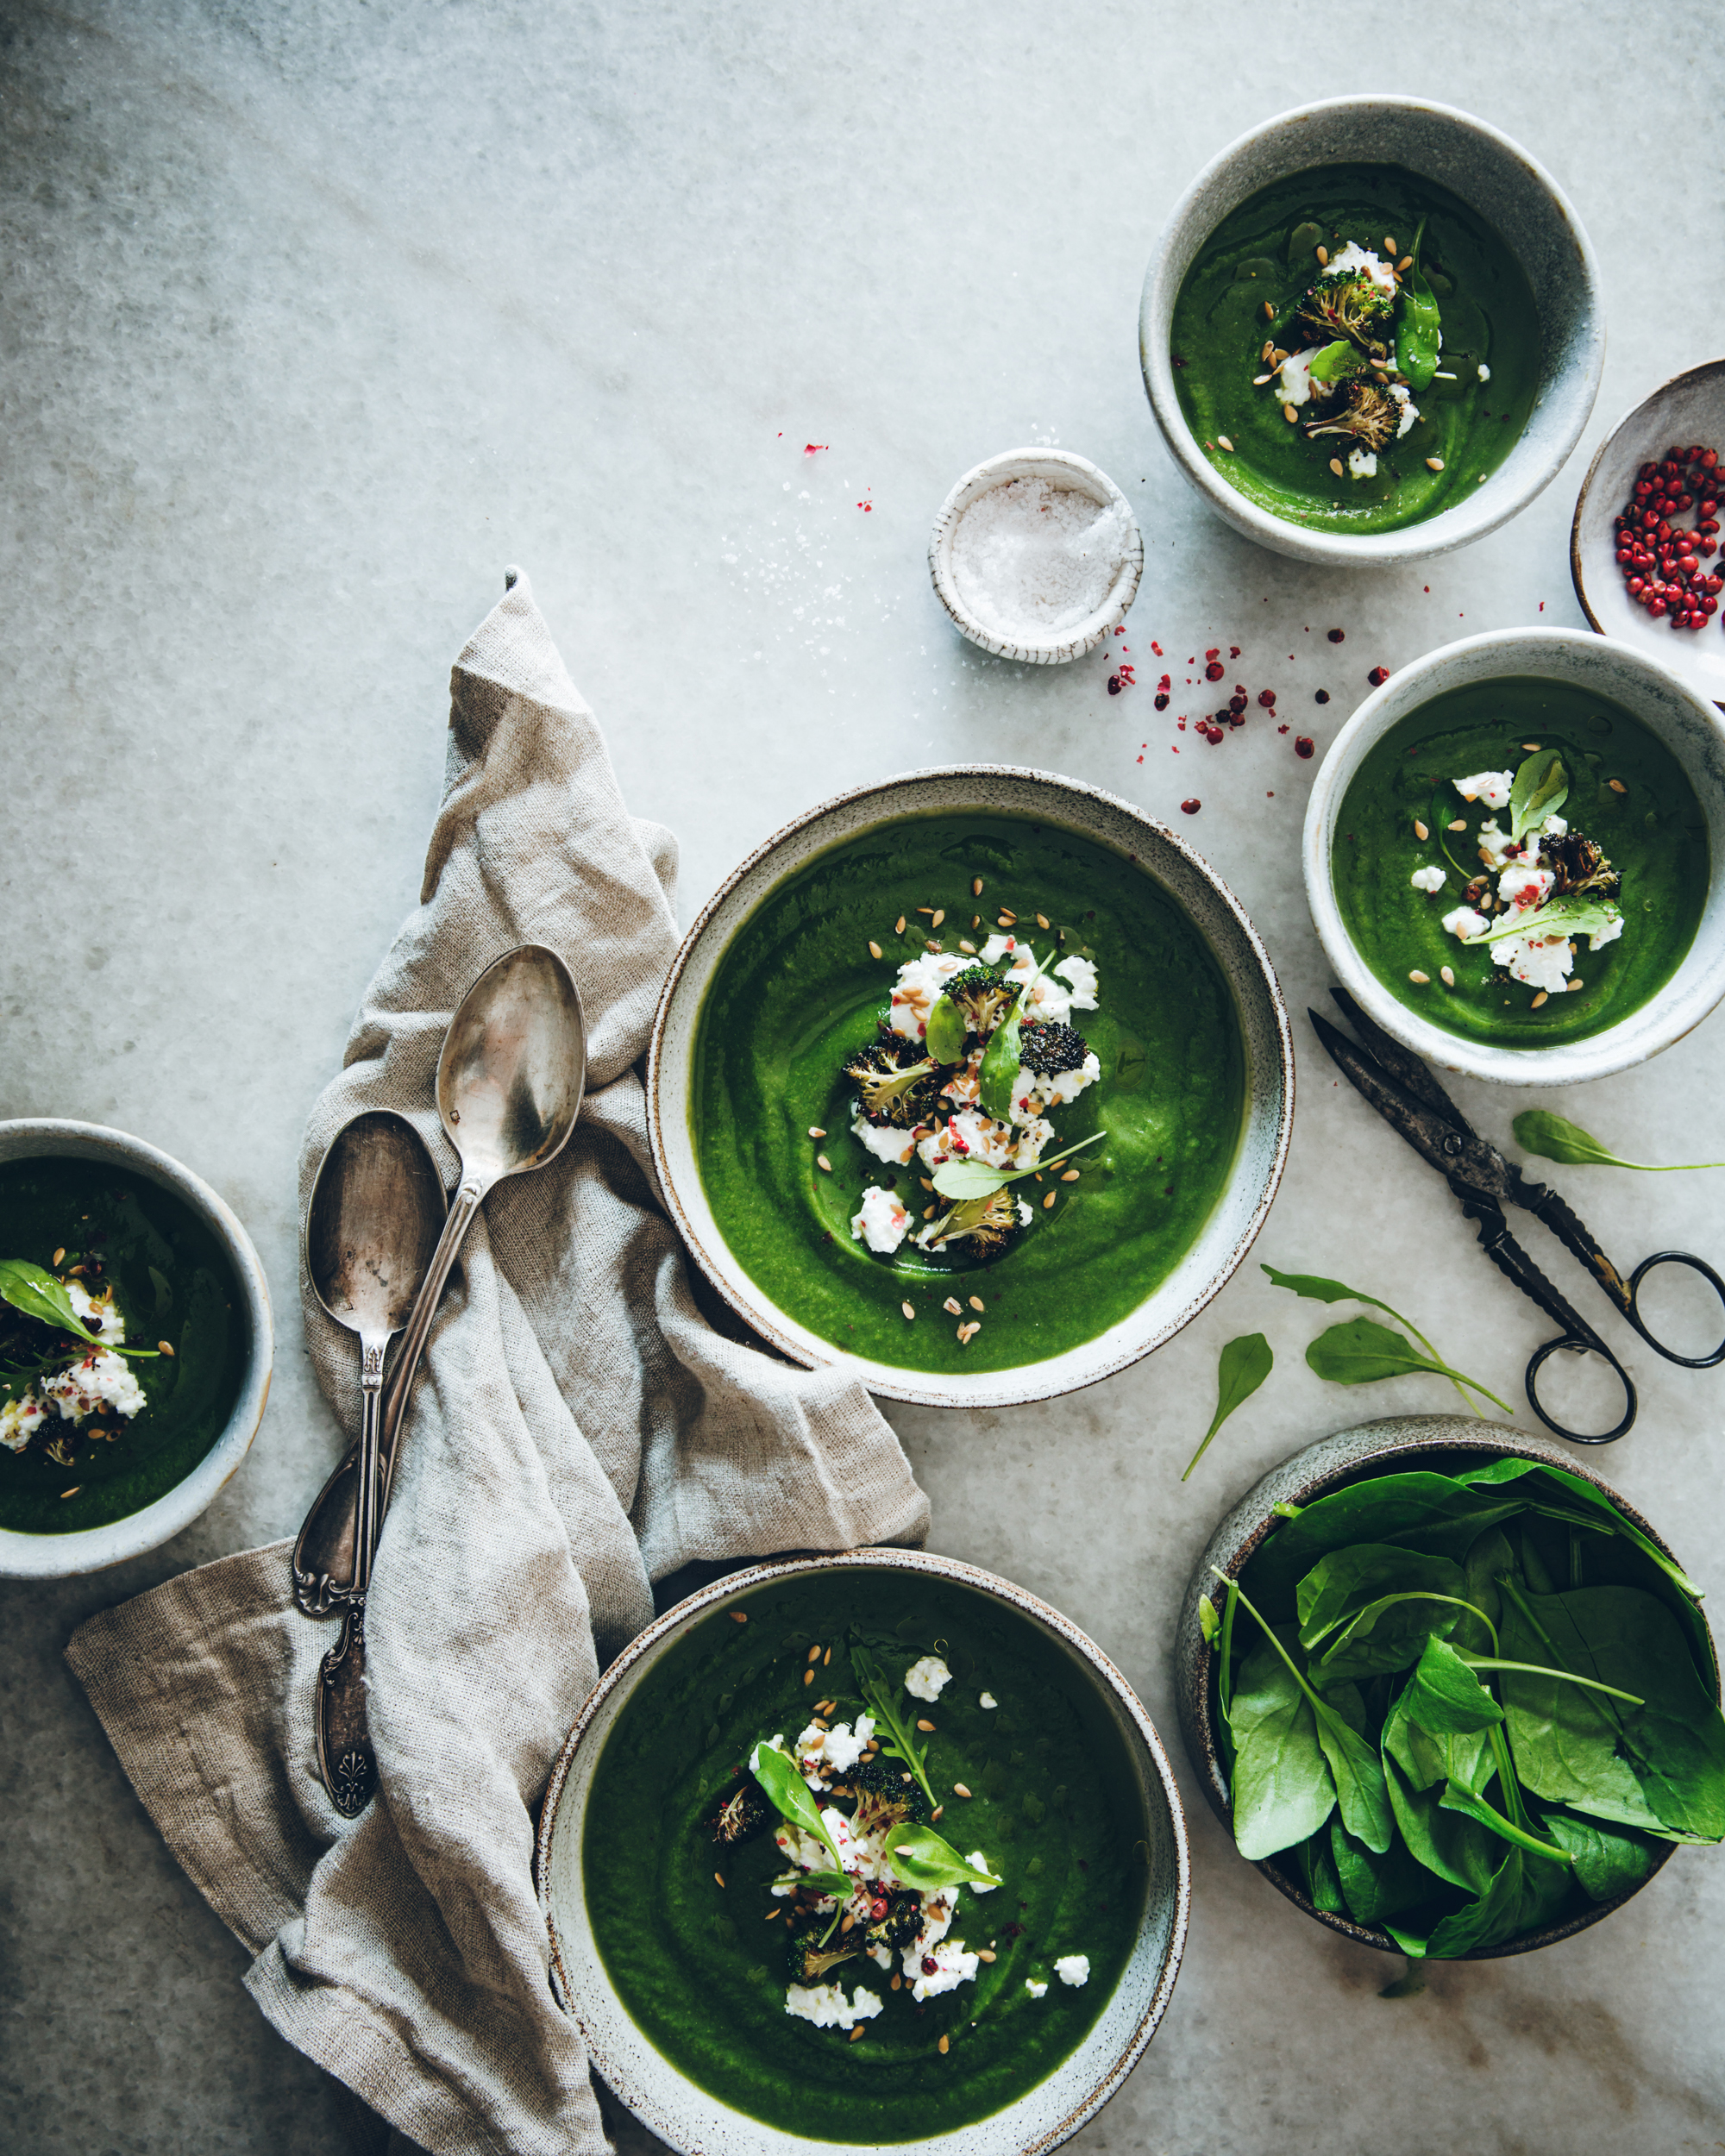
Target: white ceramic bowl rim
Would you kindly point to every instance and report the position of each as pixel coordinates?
(93, 1549)
(1036, 463)
(1566, 655)
(1554, 427)
(707, 1600)
(1024, 1382)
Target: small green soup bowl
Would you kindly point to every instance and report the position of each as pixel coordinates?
(57, 1556)
(1491, 176)
(688, 2116)
(1680, 721)
(1393, 1445)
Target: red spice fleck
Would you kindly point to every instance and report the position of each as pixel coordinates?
(1191, 807)
(1233, 651)
(811, 447)
(1378, 676)
(1213, 671)
(1336, 636)
(1113, 685)
(1162, 700)
(1158, 649)
(1303, 745)
(1281, 729)
(1214, 652)
(1267, 698)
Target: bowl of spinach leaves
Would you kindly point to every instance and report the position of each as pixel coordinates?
(1449, 1692)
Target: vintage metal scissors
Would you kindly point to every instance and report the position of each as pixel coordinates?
(1408, 1097)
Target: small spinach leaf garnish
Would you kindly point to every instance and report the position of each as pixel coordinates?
(790, 1797)
(1241, 1368)
(945, 1034)
(997, 1080)
(1419, 326)
(1540, 789)
(923, 1860)
(882, 1699)
(1361, 1351)
(38, 1294)
(1561, 917)
(965, 1179)
(1555, 1138)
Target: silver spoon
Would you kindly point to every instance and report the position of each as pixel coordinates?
(370, 1236)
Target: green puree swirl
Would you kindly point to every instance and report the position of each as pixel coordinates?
(797, 992)
(170, 1282)
(1054, 1805)
(1220, 328)
(1653, 833)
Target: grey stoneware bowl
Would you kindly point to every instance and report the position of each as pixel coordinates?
(1686, 412)
(30, 1556)
(683, 2113)
(1495, 177)
(1119, 828)
(1394, 1444)
(1689, 726)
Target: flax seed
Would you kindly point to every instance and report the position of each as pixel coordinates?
(1222, 442)
(1538, 1000)
(975, 920)
(1574, 985)
(1616, 785)
(922, 1723)
(959, 1789)
(932, 944)
(1419, 830)
(953, 1307)
(815, 1130)
(1336, 465)
(1531, 748)
(1269, 311)
(1323, 254)
(1404, 266)
(771, 1914)
(1268, 348)
(986, 1954)
(859, 2032)
(928, 1213)
(814, 1652)
(60, 1254)
(165, 1346)
(875, 950)
(909, 1309)
(1290, 414)
(1071, 1175)
(1008, 918)
(977, 1303)
(719, 1875)
(899, 925)
(924, 909)
(897, 1981)
(976, 887)
(1389, 247)
(1435, 464)
(1042, 920)
(1048, 1203)
(808, 1676)
(966, 946)
(1420, 979)
(822, 1163)
(1277, 356)
(1258, 380)
(937, 1812)
(944, 2045)
(1446, 974)
(73, 1492)
(738, 1616)
(1459, 824)
(926, 1182)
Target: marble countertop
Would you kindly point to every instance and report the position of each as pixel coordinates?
(317, 314)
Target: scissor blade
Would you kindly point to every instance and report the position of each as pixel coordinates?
(1430, 1133)
(1400, 1063)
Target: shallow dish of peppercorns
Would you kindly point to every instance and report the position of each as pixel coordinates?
(1644, 549)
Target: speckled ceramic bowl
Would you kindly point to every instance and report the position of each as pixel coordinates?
(1061, 468)
(1495, 177)
(683, 2113)
(1395, 1444)
(1121, 828)
(1689, 409)
(27, 1556)
(1689, 726)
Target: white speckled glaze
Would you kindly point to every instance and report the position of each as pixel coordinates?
(1169, 861)
(1061, 468)
(1690, 727)
(26, 1556)
(1395, 1444)
(1495, 177)
(1687, 410)
(697, 2124)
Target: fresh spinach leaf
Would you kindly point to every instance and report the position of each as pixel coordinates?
(1316, 1865)
(923, 1860)
(1241, 1368)
(1555, 1138)
(1314, 1287)
(1608, 1860)
(1455, 1849)
(38, 1294)
(1375, 1885)
(1446, 1698)
(1540, 789)
(883, 1697)
(979, 1179)
(1362, 1795)
(945, 1035)
(1361, 1351)
(1560, 916)
(791, 1797)
(1282, 1789)
(1412, 1509)
(998, 1078)
(1341, 1584)
(1456, 1798)
(1386, 1635)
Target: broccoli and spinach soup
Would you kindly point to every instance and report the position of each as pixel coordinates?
(966, 1089)
(863, 1857)
(122, 1344)
(1355, 348)
(1521, 862)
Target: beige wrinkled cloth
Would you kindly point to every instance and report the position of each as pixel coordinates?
(577, 1432)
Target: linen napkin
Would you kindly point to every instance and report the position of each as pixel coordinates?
(577, 1432)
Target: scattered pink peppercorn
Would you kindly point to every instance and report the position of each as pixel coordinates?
(1336, 636)
(1378, 676)
(1213, 671)
(1191, 807)
(1303, 745)
(1323, 697)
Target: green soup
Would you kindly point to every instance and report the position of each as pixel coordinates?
(171, 1282)
(1054, 1805)
(798, 991)
(1627, 792)
(1261, 254)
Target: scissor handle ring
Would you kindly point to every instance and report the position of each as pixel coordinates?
(1633, 1314)
(1580, 1347)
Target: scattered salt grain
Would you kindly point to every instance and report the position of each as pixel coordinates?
(1029, 558)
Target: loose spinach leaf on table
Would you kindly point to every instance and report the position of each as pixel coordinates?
(1608, 1860)
(1315, 1288)
(1282, 1789)
(1362, 1352)
(1555, 1138)
(1241, 1368)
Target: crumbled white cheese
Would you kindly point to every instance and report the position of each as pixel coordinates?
(987, 1699)
(838, 1748)
(996, 948)
(1609, 934)
(896, 1147)
(20, 1419)
(1485, 372)
(1082, 973)
(1073, 1968)
(101, 1308)
(1432, 879)
(101, 1384)
(919, 984)
(952, 1967)
(1355, 261)
(1293, 380)
(1497, 847)
(970, 1135)
(1410, 410)
(1466, 922)
(883, 1222)
(979, 1863)
(936, 1921)
(1065, 1085)
(1035, 1989)
(1493, 787)
(928, 1678)
(826, 2006)
(1553, 827)
(1362, 464)
(1522, 888)
(1538, 962)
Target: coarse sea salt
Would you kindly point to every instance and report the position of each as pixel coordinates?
(1030, 558)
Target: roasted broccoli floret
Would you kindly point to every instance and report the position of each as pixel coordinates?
(999, 1226)
(1349, 305)
(888, 1793)
(982, 997)
(1370, 413)
(900, 1924)
(810, 1962)
(1581, 866)
(742, 1816)
(1049, 1049)
(895, 1082)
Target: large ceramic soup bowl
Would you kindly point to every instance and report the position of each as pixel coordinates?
(138, 1235)
(1540, 777)
(1256, 328)
(1150, 1072)
(1001, 2016)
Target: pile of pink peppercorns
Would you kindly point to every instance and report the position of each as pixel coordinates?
(1663, 563)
